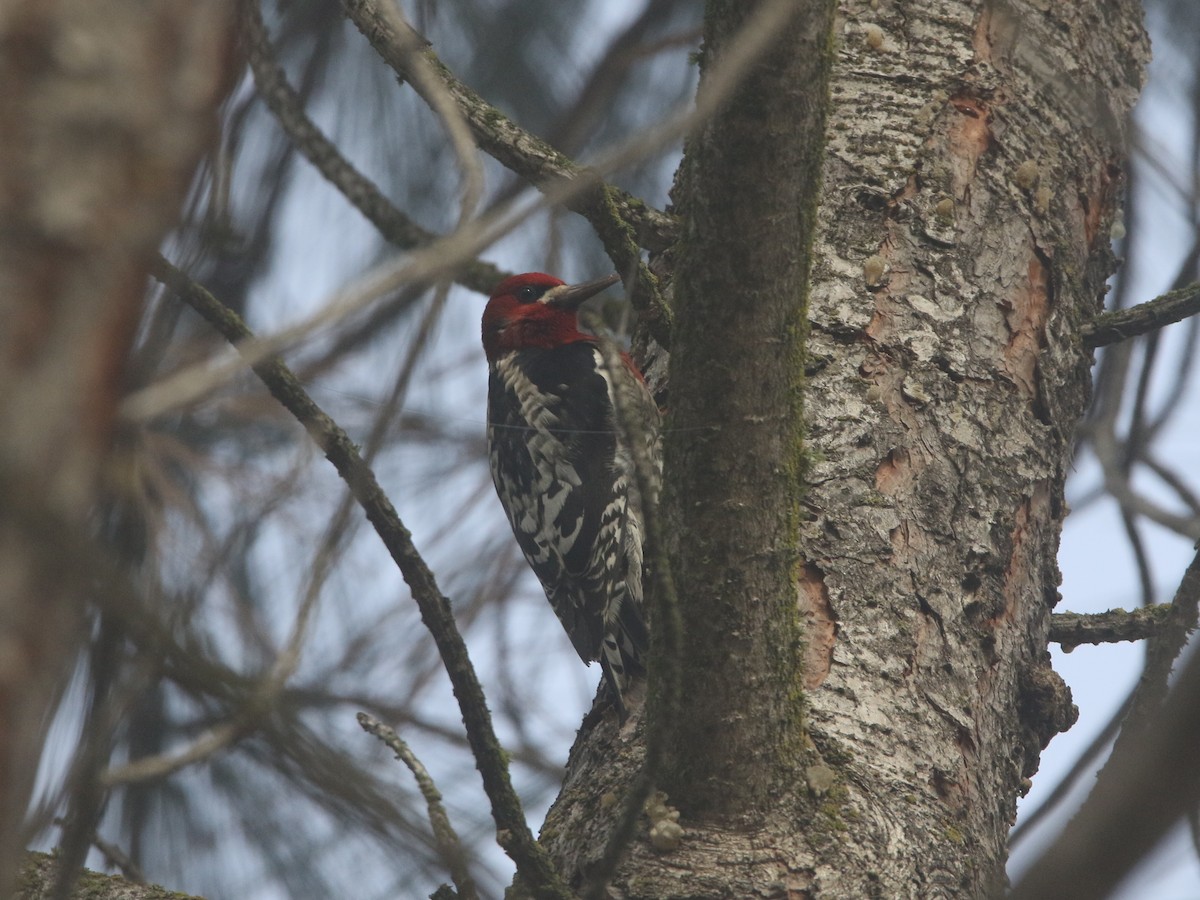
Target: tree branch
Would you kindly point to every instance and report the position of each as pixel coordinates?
(1072, 629)
(360, 191)
(1162, 650)
(511, 828)
(443, 831)
(1122, 324)
(525, 154)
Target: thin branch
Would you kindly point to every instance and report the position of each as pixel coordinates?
(119, 859)
(1162, 651)
(525, 154)
(1122, 324)
(512, 830)
(423, 77)
(286, 664)
(444, 834)
(1110, 453)
(1176, 483)
(1072, 629)
(161, 765)
(359, 190)
(596, 96)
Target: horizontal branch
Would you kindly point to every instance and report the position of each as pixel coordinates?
(513, 831)
(1122, 324)
(1072, 629)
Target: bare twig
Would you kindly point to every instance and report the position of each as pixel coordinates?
(118, 858)
(511, 828)
(1122, 324)
(161, 765)
(444, 834)
(628, 47)
(1162, 651)
(1112, 456)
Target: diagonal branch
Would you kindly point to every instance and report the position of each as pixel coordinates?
(288, 108)
(525, 154)
(444, 834)
(511, 828)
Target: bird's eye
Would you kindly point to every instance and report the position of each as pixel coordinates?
(530, 292)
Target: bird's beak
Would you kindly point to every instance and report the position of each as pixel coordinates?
(571, 296)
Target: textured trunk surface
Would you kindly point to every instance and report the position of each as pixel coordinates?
(971, 175)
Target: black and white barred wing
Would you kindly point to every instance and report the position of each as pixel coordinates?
(565, 484)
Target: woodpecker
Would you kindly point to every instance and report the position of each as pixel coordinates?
(563, 468)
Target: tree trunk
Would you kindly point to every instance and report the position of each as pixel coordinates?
(106, 108)
(972, 170)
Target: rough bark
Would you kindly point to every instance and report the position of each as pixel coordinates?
(972, 172)
(106, 108)
(40, 870)
(747, 195)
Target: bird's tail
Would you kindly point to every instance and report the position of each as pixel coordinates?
(622, 655)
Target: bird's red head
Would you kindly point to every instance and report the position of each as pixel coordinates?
(536, 310)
